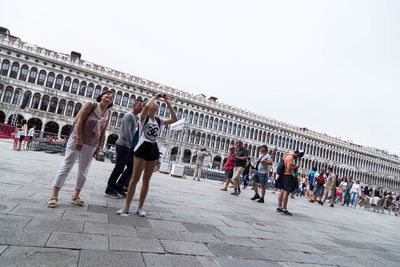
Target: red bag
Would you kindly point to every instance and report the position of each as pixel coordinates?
(339, 191)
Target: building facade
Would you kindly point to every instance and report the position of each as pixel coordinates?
(53, 87)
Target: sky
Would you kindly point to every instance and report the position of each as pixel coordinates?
(329, 66)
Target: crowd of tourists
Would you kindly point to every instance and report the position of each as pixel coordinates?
(137, 155)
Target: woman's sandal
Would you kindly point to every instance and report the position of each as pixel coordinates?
(52, 203)
(77, 201)
(223, 189)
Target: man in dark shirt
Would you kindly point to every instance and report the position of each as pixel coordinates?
(240, 163)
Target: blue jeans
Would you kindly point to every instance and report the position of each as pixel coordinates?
(354, 198)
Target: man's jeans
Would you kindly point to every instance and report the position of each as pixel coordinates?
(354, 198)
(124, 158)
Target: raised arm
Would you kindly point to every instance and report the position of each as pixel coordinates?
(146, 108)
(173, 118)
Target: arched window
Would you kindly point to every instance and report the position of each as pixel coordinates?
(167, 113)
(131, 101)
(112, 91)
(59, 81)
(90, 89)
(197, 139)
(17, 93)
(1, 91)
(125, 100)
(185, 113)
(202, 139)
(222, 144)
(247, 132)
(118, 98)
(74, 87)
(208, 141)
(239, 129)
(82, 88)
(8, 94)
(32, 75)
(230, 127)
(216, 124)
(192, 135)
(50, 80)
(220, 125)
(205, 124)
(45, 103)
(195, 118)
(53, 105)
(67, 84)
(5, 66)
(201, 120)
(210, 123)
(78, 107)
(243, 131)
(212, 141)
(24, 73)
(179, 114)
(97, 91)
(42, 77)
(105, 89)
(113, 120)
(162, 110)
(120, 119)
(234, 129)
(225, 126)
(190, 118)
(70, 109)
(35, 101)
(61, 107)
(14, 70)
(217, 143)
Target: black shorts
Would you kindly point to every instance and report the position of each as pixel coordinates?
(147, 151)
(228, 174)
(21, 138)
(311, 187)
(285, 182)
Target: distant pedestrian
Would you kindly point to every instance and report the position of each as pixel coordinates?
(296, 176)
(31, 135)
(84, 143)
(16, 135)
(146, 151)
(319, 182)
(247, 173)
(240, 163)
(200, 155)
(23, 133)
(330, 187)
(355, 192)
(285, 182)
(349, 185)
(229, 165)
(125, 153)
(310, 190)
(261, 176)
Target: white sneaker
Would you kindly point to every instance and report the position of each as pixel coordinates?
(123, 212)
(141, 213)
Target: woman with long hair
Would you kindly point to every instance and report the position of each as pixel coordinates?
(146, 151)
(343, 185)
(85, 142)
(24, 132)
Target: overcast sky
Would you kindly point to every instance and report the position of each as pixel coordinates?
(330, 66)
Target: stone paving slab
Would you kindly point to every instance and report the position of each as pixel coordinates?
(97, 258)
(78, 241)
(188, 248)
(38, 256)
(189, 223)
(109, 229)
(54, 225)
(23, 237)
(128, 243)
(170, 260)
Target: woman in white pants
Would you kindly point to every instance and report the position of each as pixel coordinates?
(85, 142)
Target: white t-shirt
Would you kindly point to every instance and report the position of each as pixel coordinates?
(31, 132)
(149, 132)
(24, 130)
(17, 134)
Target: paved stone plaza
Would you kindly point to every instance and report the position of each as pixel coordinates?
(189, 223)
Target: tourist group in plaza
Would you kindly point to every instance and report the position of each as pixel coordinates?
(137, 155)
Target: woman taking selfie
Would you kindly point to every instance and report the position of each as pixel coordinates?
(146, 151)
(85, 142)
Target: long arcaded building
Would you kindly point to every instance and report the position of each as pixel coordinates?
(56, 85)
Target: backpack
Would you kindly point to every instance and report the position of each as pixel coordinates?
(135, 138)
(321, 179)
(280, 168)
